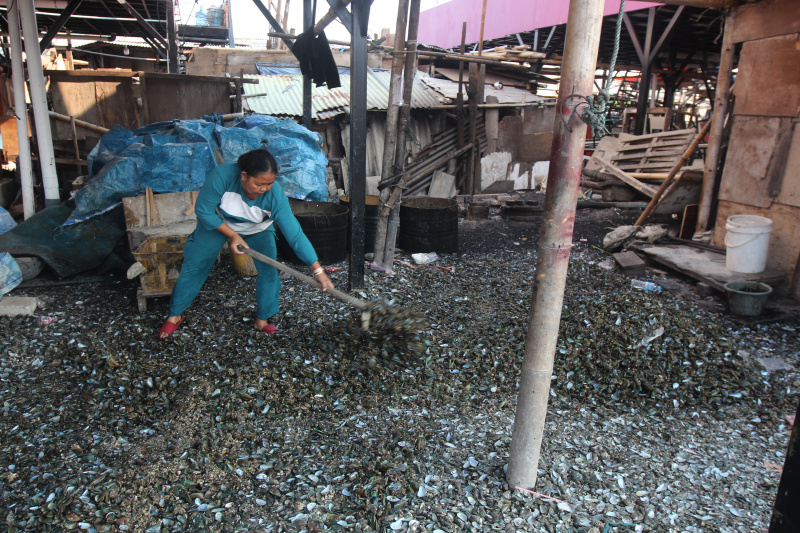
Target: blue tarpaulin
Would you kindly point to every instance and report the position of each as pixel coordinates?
(10, 274)
(177, 156)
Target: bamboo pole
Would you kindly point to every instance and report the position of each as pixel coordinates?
(580, 55)
(409, 73)
(717, 127)
(390, 139)
(80, 123)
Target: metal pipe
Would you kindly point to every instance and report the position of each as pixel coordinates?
(21, 112)
(717, 127)
(558, 220)
(358, 141)
(39, 103)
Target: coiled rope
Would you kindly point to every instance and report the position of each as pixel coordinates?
(594, 114)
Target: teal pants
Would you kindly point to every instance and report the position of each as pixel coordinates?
(200, 254)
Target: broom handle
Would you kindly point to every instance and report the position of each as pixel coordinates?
(361, 304)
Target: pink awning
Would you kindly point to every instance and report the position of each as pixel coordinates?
(441, 25)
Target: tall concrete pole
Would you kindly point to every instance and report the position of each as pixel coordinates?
(555, 241)
(21, 112)
(41, 118)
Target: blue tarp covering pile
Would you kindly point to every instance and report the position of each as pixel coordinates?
(167, 157)
(177, 156)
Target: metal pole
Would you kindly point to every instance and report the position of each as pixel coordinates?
(580, 58)
(409, 73)
(358, 140)
(390, 139)
(44, 136)
(21, 112)
(231, 40)
(308, 20)
(717, 127)
(173, 62)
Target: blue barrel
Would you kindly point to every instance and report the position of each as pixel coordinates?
(215, 16)
(325, 225)
(429, 225)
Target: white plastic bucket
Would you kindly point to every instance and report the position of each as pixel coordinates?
(747, 242)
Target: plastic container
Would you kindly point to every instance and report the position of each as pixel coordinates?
(747, 242)
(215, 16)
(200, 18)
(645, 285)
(747, 298)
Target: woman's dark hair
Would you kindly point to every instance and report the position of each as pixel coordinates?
(257, 162)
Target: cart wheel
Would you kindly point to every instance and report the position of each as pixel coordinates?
(142, 302)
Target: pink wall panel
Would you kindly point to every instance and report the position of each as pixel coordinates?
(441, 25)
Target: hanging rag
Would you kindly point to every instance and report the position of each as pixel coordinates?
(316, 59)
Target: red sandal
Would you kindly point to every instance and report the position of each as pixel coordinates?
(269, 329)
(169, 328)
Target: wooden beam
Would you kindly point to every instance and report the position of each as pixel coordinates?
(624, 176)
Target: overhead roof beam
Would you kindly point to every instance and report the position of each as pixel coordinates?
(273, 22)
(340, 7)
(58, 24)
(665, 34)
(144, 25)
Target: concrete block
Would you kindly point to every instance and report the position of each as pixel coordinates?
(17, 305)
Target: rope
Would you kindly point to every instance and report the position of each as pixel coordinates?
(595, 113)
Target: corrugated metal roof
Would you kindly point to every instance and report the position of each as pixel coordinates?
(506, 95)
(282, 94)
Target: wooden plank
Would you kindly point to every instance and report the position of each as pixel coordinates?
(630, 263)
(751, 146)
(627, 178)
(706, 266)
(647, 155)
(790, 188)
(766, 19)
(769, 67)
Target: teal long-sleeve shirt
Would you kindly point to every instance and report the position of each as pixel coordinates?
(222, 200)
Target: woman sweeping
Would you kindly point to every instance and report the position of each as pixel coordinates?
(239, 203)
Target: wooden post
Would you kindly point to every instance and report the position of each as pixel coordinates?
(390, 139)
(472, 92)
(464, 181)
(492, 124)
(577, 77)
(409, 74)
(647, 70)
(717, 127)
(786, 512)
(75, 144)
